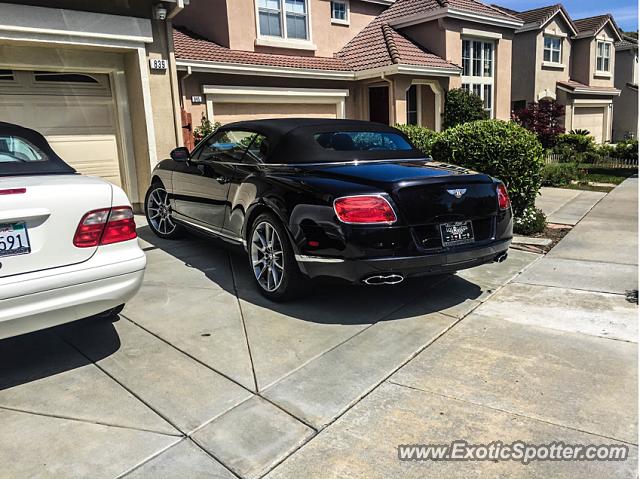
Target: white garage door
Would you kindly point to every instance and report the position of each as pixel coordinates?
(228, 112)
(591, 119)
(75, 112)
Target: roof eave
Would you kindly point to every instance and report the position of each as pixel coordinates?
(586, 91)
(448, 12)
(262, 70)
(288, 72)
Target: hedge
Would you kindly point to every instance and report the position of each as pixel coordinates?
(423, 138)
(501, 149)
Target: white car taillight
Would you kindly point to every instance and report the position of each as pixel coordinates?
(105, 226)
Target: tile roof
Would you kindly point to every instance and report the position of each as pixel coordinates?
(577, 86)
(540, 16)
(378, 44)
(190, 46)
(593, 25)
(627, 42)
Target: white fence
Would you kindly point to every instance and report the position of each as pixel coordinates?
(605, 161)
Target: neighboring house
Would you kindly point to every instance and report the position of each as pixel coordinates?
(379, 60)
(79, 72)
(625, 107)
(570, 61)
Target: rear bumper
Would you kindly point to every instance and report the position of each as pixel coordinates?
(38, 301)
(356, 271)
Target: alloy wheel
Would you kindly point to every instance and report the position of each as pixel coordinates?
(159, 211)
(267, 256)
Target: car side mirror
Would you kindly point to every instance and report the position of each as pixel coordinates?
(180, 154)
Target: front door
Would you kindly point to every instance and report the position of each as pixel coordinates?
(379, 104)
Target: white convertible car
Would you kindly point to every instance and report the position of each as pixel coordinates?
(68, 247)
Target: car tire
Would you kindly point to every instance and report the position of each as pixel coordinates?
(158, 213)
(272, 260)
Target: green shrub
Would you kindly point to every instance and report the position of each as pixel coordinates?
(532, 220)
(626, 150)
(500, 149)
(560, 174)
(579, 143)
(423, 138)
(460, 107)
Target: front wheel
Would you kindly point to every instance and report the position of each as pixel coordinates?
(272, 260)
(157, 209)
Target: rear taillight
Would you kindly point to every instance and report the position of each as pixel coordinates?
(366, 209)
(105, 226)
(13, 191)
(503, 197)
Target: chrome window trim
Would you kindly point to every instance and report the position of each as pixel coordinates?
(217, 233)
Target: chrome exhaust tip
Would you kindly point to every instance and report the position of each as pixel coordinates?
(380, 279)
(501, 258)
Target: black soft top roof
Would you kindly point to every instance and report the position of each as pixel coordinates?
(291, 140)
(52, 165)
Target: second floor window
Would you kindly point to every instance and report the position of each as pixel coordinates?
(603, 57)
(283, 18)
(339, 11)
(552, 49)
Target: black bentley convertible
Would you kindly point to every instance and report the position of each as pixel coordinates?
(339, 198)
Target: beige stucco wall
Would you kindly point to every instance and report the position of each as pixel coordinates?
(548, 76)
(524, 63)
(161, 96)
(232, 23)
(584, 60)
(444, 37)
(625, 107)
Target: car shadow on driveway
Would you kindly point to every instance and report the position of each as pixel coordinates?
(38, 355)
(327, 301)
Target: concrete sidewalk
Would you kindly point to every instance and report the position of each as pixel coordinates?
(552, 356)
(565, 206)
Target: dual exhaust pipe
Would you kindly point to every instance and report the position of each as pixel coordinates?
(380, 279)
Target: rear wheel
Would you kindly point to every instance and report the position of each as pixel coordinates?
(272, 260)
(158, 211)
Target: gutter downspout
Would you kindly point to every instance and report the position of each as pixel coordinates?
(392, 98)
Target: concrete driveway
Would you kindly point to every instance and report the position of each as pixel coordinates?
(202, 377)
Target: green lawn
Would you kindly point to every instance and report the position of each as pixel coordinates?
(602, 174)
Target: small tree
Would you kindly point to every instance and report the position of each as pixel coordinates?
(205, 129)
(462, 106)
(544, 118)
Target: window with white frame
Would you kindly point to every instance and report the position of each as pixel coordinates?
(412, 105)
(603, 57)
(478, 70)
(340, 11)
(284, 18)
(552, 49)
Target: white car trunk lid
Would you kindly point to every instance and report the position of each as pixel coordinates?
(50, 207)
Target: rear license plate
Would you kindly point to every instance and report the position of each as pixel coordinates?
(14, 239)
(456, 233)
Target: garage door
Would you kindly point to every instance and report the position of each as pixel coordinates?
(228, 112)
(591, 119)
(75, 112)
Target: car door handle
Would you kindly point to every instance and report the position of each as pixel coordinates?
(222, 179)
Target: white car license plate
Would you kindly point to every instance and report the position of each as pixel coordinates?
(14, 239)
